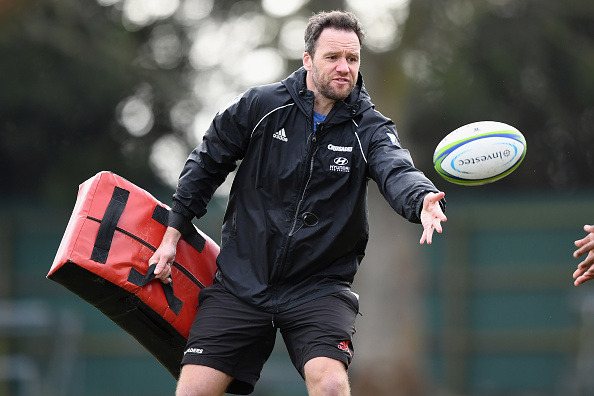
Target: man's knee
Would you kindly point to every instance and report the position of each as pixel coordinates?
(331, 384)
(201, 381)
(326, 377)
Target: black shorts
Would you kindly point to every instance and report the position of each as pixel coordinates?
(237, 339)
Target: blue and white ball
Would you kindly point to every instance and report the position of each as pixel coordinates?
(479, 153)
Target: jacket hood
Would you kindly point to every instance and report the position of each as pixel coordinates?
(356, 103)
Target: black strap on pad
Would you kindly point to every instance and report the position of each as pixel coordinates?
(189, 233)
(108, 225)
(135, 277)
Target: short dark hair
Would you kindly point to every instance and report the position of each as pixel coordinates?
(339, 20)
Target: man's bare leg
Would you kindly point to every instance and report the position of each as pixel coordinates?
(197, 380)
(326, 377)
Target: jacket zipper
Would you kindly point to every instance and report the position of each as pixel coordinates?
(298, 209)
(313, 150)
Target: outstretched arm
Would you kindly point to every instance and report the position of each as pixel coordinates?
(431, 216)
(585, 269)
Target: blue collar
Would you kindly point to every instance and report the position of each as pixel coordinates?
(317, 118)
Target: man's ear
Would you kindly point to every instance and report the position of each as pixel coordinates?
(307, 60)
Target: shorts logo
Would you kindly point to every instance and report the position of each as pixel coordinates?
(280, 135)
(194, 350)
(344, 346)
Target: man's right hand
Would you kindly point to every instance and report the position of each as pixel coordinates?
(164, 256)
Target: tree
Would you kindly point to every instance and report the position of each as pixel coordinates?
(66, 66)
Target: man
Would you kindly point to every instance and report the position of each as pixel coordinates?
(295, 228)
(585, 270)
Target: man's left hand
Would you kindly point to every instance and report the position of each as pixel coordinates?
(431, 216)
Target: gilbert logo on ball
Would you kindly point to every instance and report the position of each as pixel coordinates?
(479, 153)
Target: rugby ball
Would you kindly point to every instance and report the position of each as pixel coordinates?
(479, 153)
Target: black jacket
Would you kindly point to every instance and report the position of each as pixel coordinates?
(296, 226)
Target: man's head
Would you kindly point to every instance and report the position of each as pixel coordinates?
(338, 20)
(332, 55)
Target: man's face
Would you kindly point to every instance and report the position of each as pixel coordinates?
(334, 68)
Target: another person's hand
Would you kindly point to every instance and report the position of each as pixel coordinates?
(164, 256)
(431, 216)
(585, 269)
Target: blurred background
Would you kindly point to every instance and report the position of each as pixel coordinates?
(131, 85)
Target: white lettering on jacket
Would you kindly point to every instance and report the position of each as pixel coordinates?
(339, 148)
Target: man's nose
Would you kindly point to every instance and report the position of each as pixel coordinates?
(342, 66)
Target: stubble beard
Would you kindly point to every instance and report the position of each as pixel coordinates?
(323, 86)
